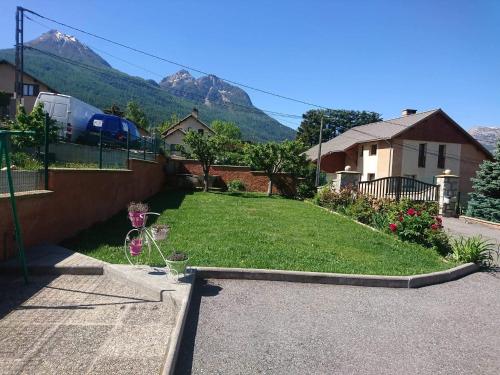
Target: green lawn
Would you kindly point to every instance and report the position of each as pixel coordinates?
(254, 231)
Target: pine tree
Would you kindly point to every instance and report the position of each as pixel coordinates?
(485, 199)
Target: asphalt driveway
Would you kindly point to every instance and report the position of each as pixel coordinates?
(260, 327)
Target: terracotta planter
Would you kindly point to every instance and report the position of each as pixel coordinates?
(135, 247)
(137, 218)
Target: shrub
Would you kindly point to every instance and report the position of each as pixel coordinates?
(236, 185)
(473, 249)
(361, 209)
(305, 190)
(24, 161)
(420, 227)
(335, 200)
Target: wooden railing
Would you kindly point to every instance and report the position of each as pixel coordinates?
(400, 188)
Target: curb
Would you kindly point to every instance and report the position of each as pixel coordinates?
(174, 343)
(416, 281)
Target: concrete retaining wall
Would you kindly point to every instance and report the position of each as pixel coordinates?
(77, 199)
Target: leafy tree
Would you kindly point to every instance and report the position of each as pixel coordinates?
(232, 147)
(273, 158)
(335, 122)
(33, 122)
(227, 129)
(205, 148)
(134, 113)
(485, 199)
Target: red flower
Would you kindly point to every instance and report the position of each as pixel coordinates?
(439, 220)
(400, 218)
(393, 227)
(419, 213)
(435, 226)
(411, 212)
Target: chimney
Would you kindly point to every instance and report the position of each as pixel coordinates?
(407, 111)
(194, 113)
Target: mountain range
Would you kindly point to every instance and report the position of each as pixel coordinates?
(487, 135)
(70, 67)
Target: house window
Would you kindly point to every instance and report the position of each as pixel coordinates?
(200, 131)
(373, 150)
(422, 150)
(30, 90)
(371, 176)
(441, 156)
(173, 147)
(362, 148)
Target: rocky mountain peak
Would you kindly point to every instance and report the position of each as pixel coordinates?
(67, 46)
(488, 136)
(208, 89)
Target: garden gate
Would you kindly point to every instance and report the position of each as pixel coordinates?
(400, 188)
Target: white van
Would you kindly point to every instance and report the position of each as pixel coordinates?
(71, 114)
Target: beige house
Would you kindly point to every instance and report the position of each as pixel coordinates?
(31, 87)
(174, 135)
(415, 145)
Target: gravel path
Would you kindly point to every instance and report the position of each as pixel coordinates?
(260, 327)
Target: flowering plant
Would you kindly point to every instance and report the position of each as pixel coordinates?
(416, 226)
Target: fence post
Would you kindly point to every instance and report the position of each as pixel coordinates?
(46, 153)
(144, 147)
(100, 148)
(128, 149)
(398, 188)
(448, 193)
(154, 147)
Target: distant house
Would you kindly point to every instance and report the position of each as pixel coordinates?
(174, 135)
(416, 145)
(31, 87)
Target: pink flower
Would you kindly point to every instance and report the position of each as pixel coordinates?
(435, 226)
(411, 212)
(393, 227)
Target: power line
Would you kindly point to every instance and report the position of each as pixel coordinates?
(171, 61)
(187, 95)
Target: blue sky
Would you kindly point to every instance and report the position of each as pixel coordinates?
(375, 55)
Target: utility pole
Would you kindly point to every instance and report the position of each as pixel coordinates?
(19, 60)
(318, 163)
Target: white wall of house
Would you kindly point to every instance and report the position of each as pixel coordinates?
(409, 166)
(367, 164)
(191, 124)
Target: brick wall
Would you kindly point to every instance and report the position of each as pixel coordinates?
(77, 199)
(254, 181)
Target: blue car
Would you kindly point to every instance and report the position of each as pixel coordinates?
(114, 130)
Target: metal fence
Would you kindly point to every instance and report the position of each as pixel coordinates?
(30, 165)
(400, 188)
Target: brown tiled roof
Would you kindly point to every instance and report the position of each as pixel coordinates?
(368, 133)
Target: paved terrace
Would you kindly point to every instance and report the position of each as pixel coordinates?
(261, 327)
(81, 325)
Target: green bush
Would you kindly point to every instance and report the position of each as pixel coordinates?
(411, 221)
(420, 227)
(473, 249)
(304, 191)
(23, 160)
(236, 185)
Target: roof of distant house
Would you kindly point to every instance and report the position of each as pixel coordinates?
(174, 127)
(375, 131)
(3, 61)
